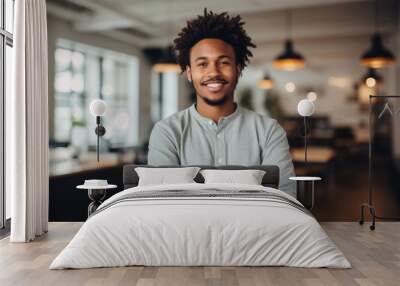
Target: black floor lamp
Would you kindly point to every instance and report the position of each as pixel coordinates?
(305, 108)
(98, 108)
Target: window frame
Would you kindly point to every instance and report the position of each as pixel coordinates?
(6, 39)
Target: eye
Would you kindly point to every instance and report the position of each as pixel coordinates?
(202, 65)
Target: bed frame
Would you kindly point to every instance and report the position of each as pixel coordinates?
(270, 179)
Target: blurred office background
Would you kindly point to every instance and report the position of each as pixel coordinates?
(107, 48)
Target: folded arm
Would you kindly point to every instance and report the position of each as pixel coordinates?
(276, 152)
(162, 147)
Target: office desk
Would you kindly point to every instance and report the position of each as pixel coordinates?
(66, 203)
(320, 161)
(315, 155)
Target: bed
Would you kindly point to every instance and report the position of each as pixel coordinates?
(198, 224)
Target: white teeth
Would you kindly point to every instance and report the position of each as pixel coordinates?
(214, 85)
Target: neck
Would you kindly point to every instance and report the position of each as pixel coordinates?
(215, 112)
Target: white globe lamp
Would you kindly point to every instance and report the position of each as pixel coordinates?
(305, 107)
(98, 107)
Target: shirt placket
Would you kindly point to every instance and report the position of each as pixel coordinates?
(214, 130)
(219, 143)
(220, 158)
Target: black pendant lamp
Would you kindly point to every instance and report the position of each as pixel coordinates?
(166, 62)
(377, 56)
(289, 59)
(163, 59)
(266, 82)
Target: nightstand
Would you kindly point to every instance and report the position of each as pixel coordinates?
(305, 190)
(96, 195)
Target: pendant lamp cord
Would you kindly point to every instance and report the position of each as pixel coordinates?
(376, 15)
(289, 24)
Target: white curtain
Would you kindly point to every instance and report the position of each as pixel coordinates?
(27, 124)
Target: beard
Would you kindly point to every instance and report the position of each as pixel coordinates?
(215, 102)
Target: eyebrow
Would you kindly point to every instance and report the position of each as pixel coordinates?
(205, 58)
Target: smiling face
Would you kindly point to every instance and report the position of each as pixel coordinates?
(213, 71)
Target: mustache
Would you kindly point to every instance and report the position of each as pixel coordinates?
(217, 79)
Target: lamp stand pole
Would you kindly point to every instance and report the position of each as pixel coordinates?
(100, 131)
(98, 136)
(305, 141)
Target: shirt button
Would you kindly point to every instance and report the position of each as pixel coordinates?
(220, 160)
(219, 136)
(210, 122)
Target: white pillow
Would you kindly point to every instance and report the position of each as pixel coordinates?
(163, 176)
(248, 177)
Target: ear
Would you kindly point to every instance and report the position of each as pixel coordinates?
(239, 70)
(189, 73)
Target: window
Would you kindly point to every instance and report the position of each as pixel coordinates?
(6, 65)
(84, 73)
(164, 96)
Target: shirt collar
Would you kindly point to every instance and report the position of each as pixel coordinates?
(222, 121)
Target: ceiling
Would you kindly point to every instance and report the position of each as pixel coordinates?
(330, 30)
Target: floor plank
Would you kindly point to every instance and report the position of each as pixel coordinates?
(375, 257)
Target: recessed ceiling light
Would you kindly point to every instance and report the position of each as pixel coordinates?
(312, 96)
(290, 87)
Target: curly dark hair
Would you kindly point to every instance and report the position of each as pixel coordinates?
(215, 26)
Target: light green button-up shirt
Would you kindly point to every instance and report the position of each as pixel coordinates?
(241, 138)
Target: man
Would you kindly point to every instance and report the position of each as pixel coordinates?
(213, 49)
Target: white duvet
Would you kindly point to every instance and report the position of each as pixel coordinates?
(200, 231)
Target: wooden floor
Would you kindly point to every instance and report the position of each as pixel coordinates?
(374, 255)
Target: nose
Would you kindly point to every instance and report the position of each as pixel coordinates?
(213, 69)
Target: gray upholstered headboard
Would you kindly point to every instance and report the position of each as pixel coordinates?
(270, 179)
